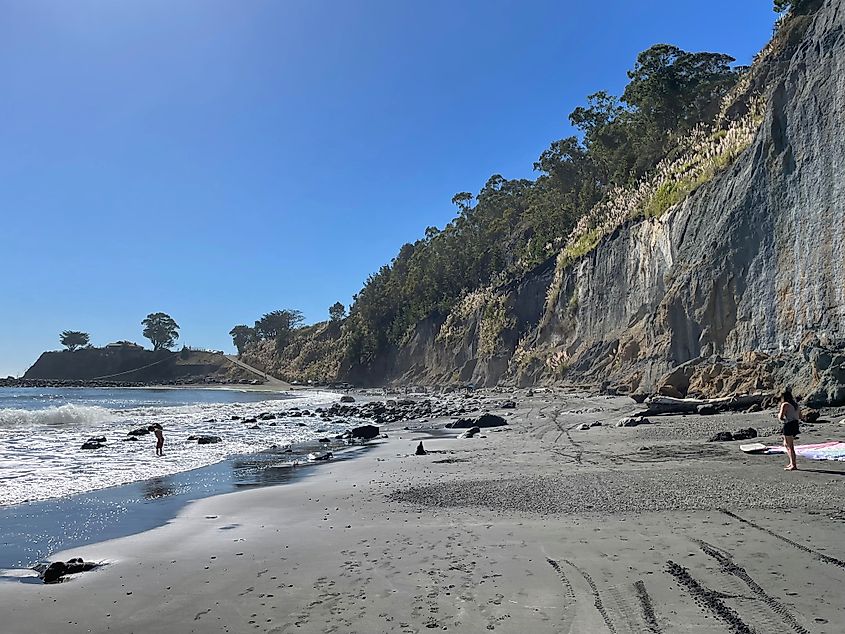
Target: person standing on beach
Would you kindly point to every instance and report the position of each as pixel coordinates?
(790, 414)
(159, 432)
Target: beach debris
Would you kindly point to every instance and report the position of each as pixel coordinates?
(205, 440)
(55, 571)
(94, 443)
(632, 421)
(421, 450)
(485, 420)
(721, 436)
(672, 405)
(469, 433)
(320, 456)
(347, 399)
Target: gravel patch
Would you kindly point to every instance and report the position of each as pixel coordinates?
(636, 491)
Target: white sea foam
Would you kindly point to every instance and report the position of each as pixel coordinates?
(40, 455)
(68, 414)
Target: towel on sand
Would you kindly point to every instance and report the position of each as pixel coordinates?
(832, 450)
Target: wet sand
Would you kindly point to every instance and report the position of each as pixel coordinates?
(535, 527)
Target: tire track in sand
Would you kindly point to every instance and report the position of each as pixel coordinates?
(647, 607)
(597, 600)
(568, 593)
(729, 566)
(820, 556)
(708, 599)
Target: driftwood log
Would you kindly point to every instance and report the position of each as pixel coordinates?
(667, 405)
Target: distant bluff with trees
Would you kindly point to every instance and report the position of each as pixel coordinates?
(129, 363)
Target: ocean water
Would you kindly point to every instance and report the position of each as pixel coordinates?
(42, 430)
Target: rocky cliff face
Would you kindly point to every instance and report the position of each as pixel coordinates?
(750, 266)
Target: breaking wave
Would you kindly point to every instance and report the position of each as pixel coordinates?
(64, 415)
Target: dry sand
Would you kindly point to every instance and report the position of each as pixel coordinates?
(533, 528)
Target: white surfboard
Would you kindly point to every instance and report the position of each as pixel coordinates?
(754, 447)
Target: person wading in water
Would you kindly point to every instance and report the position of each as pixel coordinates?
(790, 414)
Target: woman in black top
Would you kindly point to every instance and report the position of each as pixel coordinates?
(790, 414)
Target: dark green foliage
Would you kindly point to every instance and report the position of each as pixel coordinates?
(161, 330)
(337, 311)
(278, 325)
(243, 336)
(512, 225)
(669, 93)
(73, 339)
(782, 6)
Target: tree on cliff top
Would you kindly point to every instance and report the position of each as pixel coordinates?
(161, 330)
(242, 336)
(337, 311)
(278, 325)
(73, 339)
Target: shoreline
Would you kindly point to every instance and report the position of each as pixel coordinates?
(475, 536)
(36, 530)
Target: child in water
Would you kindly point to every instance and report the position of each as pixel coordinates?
(159, 432)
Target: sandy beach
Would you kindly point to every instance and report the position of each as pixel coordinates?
(533, 527)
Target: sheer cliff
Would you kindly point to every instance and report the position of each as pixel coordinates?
(747, 272)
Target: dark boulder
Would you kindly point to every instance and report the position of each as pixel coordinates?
(421, 450)
(54, 572)
(266, 416)
(485, 420)
(706, 410)
(141, 431)
(58, 569)
(745, 434)
(508, 405)
(205, 440)
(639, 397)
(811, 416)
(93, 443)
(347, 399)
(470, 433)
(365, 432)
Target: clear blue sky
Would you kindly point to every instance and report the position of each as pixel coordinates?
(220, 159)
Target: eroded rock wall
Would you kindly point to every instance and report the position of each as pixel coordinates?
(752, 262)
